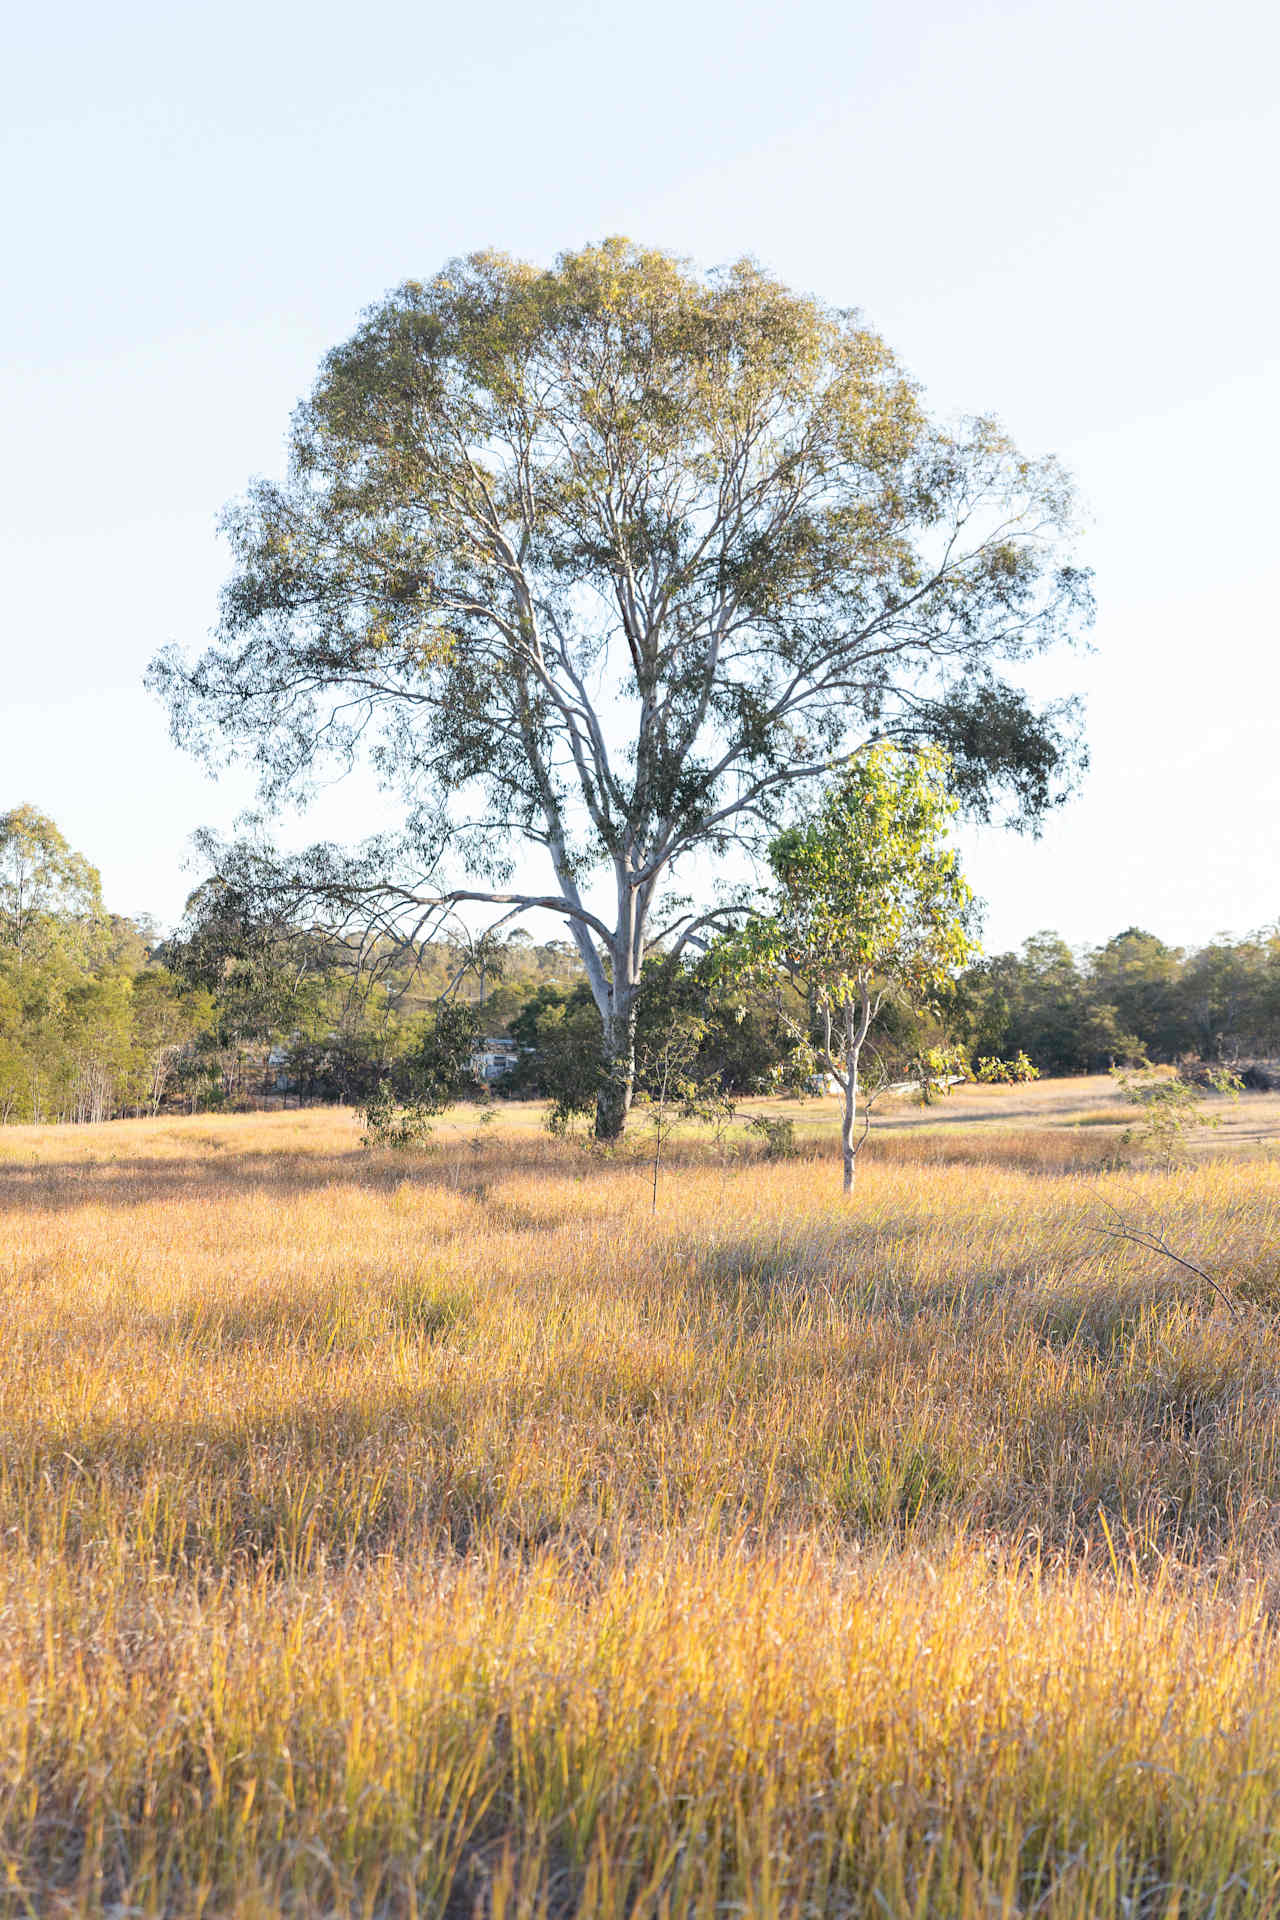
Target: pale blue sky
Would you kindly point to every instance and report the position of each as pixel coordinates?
(1061, 212)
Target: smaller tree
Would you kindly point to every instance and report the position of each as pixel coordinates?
(869, 903)
(432, 1075)
(50, 896)
(1171, 1109)
(678, 1086)
(995, 1072)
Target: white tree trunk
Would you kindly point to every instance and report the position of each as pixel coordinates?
(857, 1020)
(849, 1150)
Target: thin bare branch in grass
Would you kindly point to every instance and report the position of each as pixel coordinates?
(1152, 1240)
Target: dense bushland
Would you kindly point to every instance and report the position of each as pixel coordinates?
(1134, 996)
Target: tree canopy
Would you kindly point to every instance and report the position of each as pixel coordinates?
(50, 896)
(599, 562)
(89, 1026)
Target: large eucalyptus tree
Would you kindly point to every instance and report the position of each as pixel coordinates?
(599, 562)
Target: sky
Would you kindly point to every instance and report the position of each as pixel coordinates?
(1061, 212)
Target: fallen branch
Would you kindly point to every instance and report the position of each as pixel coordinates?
(1154, 1242)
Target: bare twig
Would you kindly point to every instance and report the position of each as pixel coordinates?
(1154, 1242)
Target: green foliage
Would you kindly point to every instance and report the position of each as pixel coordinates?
(777, 1134)
(1041, 1003)
(89, 1025)
(436, 1070)
(559, 1033)
(322, 1011)
(869, 902)
(1229, 998)
(50, 897)
(1133, 998)
(869, 898)
(1171, 1109)
(934, 1069)
(270, 978)
(245, 1001)
(869, 905)
(1138, 975)
(389, 1123)
(433, 1073)
(992, 1071)
(742, 1045)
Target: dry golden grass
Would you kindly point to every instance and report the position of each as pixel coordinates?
(1088, 1101)
(451, 1534)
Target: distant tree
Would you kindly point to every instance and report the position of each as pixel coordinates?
(1230, 994)
(66, 1023)
(89, 1027)
(344, 1068)
(50, 896)
(98, 1046)
(287, 996)
(269, 977)
(165, 1019)
(869, 902)
(1138, 975)
(1043, 1003)
(604, 561)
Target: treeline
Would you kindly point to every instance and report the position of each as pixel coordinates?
(1134, 998)
(90, 1027)
(99, 1017)
(303, 1013)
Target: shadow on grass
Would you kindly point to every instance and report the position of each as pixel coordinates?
(141, 1180)
(1070, 1425)
(471, 1166)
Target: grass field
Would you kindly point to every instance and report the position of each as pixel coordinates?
(453, 1534)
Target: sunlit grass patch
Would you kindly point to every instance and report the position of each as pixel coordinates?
(453, 1532)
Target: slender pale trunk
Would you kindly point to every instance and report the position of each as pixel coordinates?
(857, 1020)
(848, 1148)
